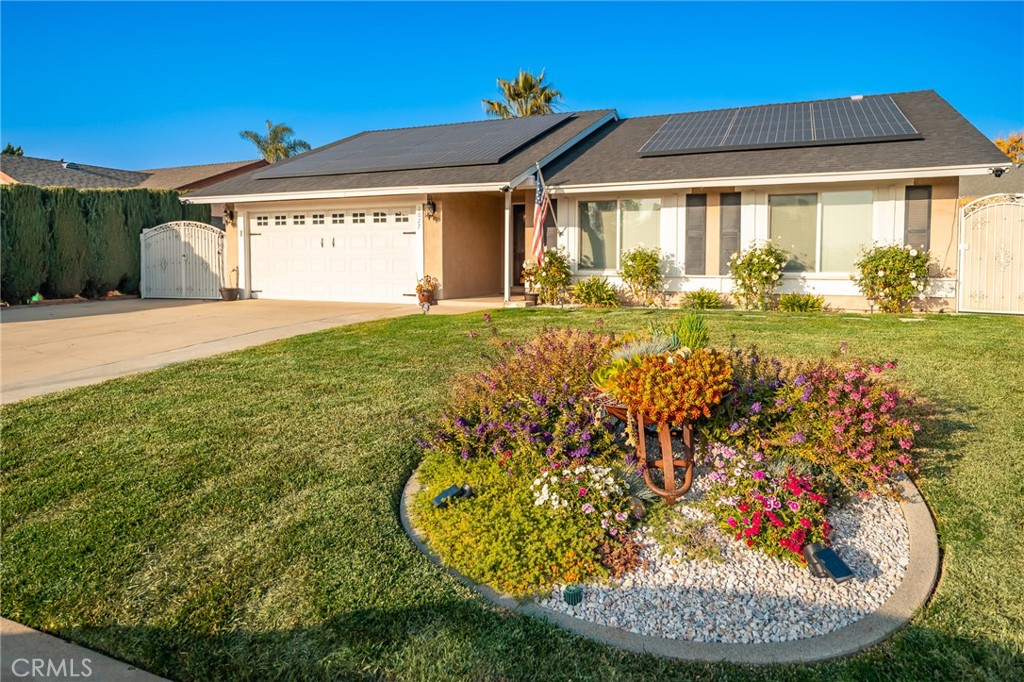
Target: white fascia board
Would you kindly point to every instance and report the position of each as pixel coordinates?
(343, 193)
(563, 148)
(759, 180)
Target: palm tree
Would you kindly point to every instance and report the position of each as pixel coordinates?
(278, 143)
(524, 95)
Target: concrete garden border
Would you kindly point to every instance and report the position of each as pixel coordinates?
(918, 583)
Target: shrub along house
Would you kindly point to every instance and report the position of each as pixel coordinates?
(362, 218)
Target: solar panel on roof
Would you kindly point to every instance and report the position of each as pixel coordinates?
(460, 144)
(875, 118)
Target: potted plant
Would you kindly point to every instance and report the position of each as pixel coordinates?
(231, 293)
(426, 286)
(529, 278)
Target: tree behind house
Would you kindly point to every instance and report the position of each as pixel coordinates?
(1013, 146)
(279, 142)
(524, 95)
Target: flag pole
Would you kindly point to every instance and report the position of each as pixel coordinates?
(540, 179)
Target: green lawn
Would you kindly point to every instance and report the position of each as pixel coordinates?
(237, 518)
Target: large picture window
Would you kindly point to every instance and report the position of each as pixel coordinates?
(845, 228)
(793, 221)
(824, 236)
(610, 227)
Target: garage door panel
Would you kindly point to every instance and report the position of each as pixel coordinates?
(335, 262)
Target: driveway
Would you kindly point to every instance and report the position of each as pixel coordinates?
(51, 348)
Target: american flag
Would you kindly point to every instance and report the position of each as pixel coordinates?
(542, 205)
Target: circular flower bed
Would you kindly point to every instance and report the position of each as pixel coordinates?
(788, 454)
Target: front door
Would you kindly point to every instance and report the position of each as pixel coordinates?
(518, 242)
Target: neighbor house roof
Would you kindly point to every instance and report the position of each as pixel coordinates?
(511, 166)
(48, 173)
(1011, 182)
(184, 178)
(610, 155)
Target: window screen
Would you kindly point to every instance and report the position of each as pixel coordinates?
(793, 224)
(845, 228)
(696, 233)
(597, 228)
(729, 239)
(918, 224)
(641, 223)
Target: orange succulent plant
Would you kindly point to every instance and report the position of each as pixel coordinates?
(670, 388)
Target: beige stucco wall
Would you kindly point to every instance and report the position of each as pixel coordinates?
(231, 272)
(945, 222)
(472, 244)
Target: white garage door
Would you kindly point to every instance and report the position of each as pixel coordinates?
(335, 255)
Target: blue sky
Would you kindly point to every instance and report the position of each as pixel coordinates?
(141, 85)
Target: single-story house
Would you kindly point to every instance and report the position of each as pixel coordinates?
(50, 173)
(362, 218)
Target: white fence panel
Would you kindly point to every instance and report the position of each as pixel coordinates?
(992, 255)
(182, 259)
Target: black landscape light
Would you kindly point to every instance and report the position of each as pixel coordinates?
(448, 494)
(823, 561)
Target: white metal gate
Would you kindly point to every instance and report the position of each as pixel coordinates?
(182, 259)
(992, 255)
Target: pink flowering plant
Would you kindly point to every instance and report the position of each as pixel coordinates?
(593, 492)
(850, 423)
(773, 509)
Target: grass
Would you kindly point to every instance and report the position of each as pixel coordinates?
(236, 518)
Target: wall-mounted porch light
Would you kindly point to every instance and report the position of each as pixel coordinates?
(431, 207)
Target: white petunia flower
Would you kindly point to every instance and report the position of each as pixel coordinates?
(913, 252)
(913, 275)
(881, 273)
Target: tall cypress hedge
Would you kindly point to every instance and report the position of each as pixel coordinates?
(68, 237)
(63, 241)
(138, 215)
(106, 247)
(24, 242)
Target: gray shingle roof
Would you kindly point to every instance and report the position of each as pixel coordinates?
(610, 155)
(188, 177)
(47, 173)
(510, 167)
(1011, 182)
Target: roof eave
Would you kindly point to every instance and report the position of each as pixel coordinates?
(344, 193)
(793, 179)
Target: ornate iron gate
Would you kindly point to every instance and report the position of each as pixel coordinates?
(182, 259)
(992, 255)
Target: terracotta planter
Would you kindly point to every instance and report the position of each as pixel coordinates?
(531, 297)
(425, 296)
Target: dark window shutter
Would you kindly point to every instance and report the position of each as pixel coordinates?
(918, 223)
(696, 233)
(729, 239)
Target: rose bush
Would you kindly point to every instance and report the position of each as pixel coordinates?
(756, 273)
(893, 276)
